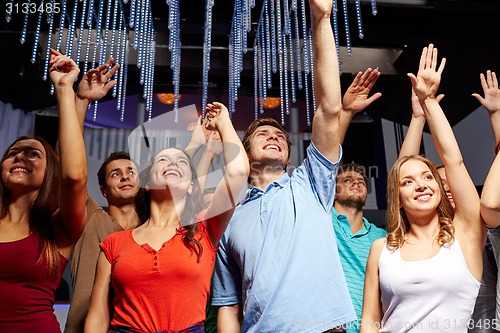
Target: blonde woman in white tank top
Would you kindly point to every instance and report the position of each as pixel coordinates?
(425, 276)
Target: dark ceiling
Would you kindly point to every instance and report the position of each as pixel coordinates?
(467, 33)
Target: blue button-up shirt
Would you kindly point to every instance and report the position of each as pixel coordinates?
(278, 257)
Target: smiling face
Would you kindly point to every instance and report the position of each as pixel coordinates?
(269, 144)
(122, 182)
(24, 165)
(419, 190)
(171, 168)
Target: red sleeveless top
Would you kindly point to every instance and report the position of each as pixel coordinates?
(26, 292)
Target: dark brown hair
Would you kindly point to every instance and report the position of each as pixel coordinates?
(117, 155)
(43, 206)
(263, 122)
(189, 220)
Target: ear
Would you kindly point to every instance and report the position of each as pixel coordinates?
(147, 187)
(103, 191)
(190, 189)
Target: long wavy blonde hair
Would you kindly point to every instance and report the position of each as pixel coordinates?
(398, 224)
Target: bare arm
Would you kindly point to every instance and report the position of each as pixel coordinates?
(326, 121)
(99, 317)
(70, 218)
(198, 138)
(356, 98)
(235, 177)
(94, 85)
(372, 306)
(467, 221)
(229, 319)
(212, 149)
(490, 196)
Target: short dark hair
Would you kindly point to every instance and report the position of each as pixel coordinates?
(263, 122)
(117, 155)
(353, 166)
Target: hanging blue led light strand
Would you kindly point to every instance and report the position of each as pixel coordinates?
(207, 47)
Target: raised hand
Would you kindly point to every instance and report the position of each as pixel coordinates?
(97, 82)
(356, 97)
(491, 100)
(63, 70)
(416, 107)
(214, 144)
(217, 116)
(321, 8)
(428, 78)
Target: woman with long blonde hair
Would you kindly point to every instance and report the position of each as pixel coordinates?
(425, 275)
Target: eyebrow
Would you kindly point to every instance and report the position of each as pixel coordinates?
(25, 148)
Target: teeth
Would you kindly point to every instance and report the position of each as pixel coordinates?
(423, 197)
(272, 147)
(20, 170)
(172, 173)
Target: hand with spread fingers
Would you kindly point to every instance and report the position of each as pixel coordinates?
(416, 108)
(97, 82)
(356, 97)
(428, 78)
(491, 99)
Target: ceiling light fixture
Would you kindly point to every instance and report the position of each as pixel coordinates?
(271, 102)
(167, 98)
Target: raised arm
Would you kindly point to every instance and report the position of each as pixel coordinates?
(326, 121)
(94, 85)
(199, 137)
(467, 219)
(70, 218)
(490, 196)
(356, 98)
(413, 138)
(235, 177)
(212, 149)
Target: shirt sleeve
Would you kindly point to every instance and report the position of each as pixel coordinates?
(226, 278)
(108, 247)
(322, 175)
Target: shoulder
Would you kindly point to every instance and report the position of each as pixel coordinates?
(377, 247)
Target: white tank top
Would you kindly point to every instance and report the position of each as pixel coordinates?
(432, 295)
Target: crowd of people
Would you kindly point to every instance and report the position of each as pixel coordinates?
(265, 250)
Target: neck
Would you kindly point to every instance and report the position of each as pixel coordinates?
(424, 227)
(354, 216)
(124, 215)
(165, 212)
(262, 177)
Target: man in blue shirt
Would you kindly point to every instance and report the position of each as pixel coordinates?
(278, 268)
(355, 234)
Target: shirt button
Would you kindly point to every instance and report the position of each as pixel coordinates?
(155, 258)
(156, 264)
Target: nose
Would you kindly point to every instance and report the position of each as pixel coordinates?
(125, 177)
(420, 186)
(272, 136)
(20, 156)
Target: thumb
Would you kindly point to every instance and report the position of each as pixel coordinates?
(478, 97)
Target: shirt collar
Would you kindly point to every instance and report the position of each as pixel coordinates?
(255, 192)
(343, 223)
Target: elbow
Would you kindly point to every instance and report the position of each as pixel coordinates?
(490, 212)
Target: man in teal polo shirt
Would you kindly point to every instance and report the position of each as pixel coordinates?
(355, 234)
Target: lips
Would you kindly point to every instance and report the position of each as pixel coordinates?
(172, 173)
(126, 187)
(423, 197)
(19, 170)
(272, 146)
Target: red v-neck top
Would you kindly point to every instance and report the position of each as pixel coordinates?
(159, 290)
